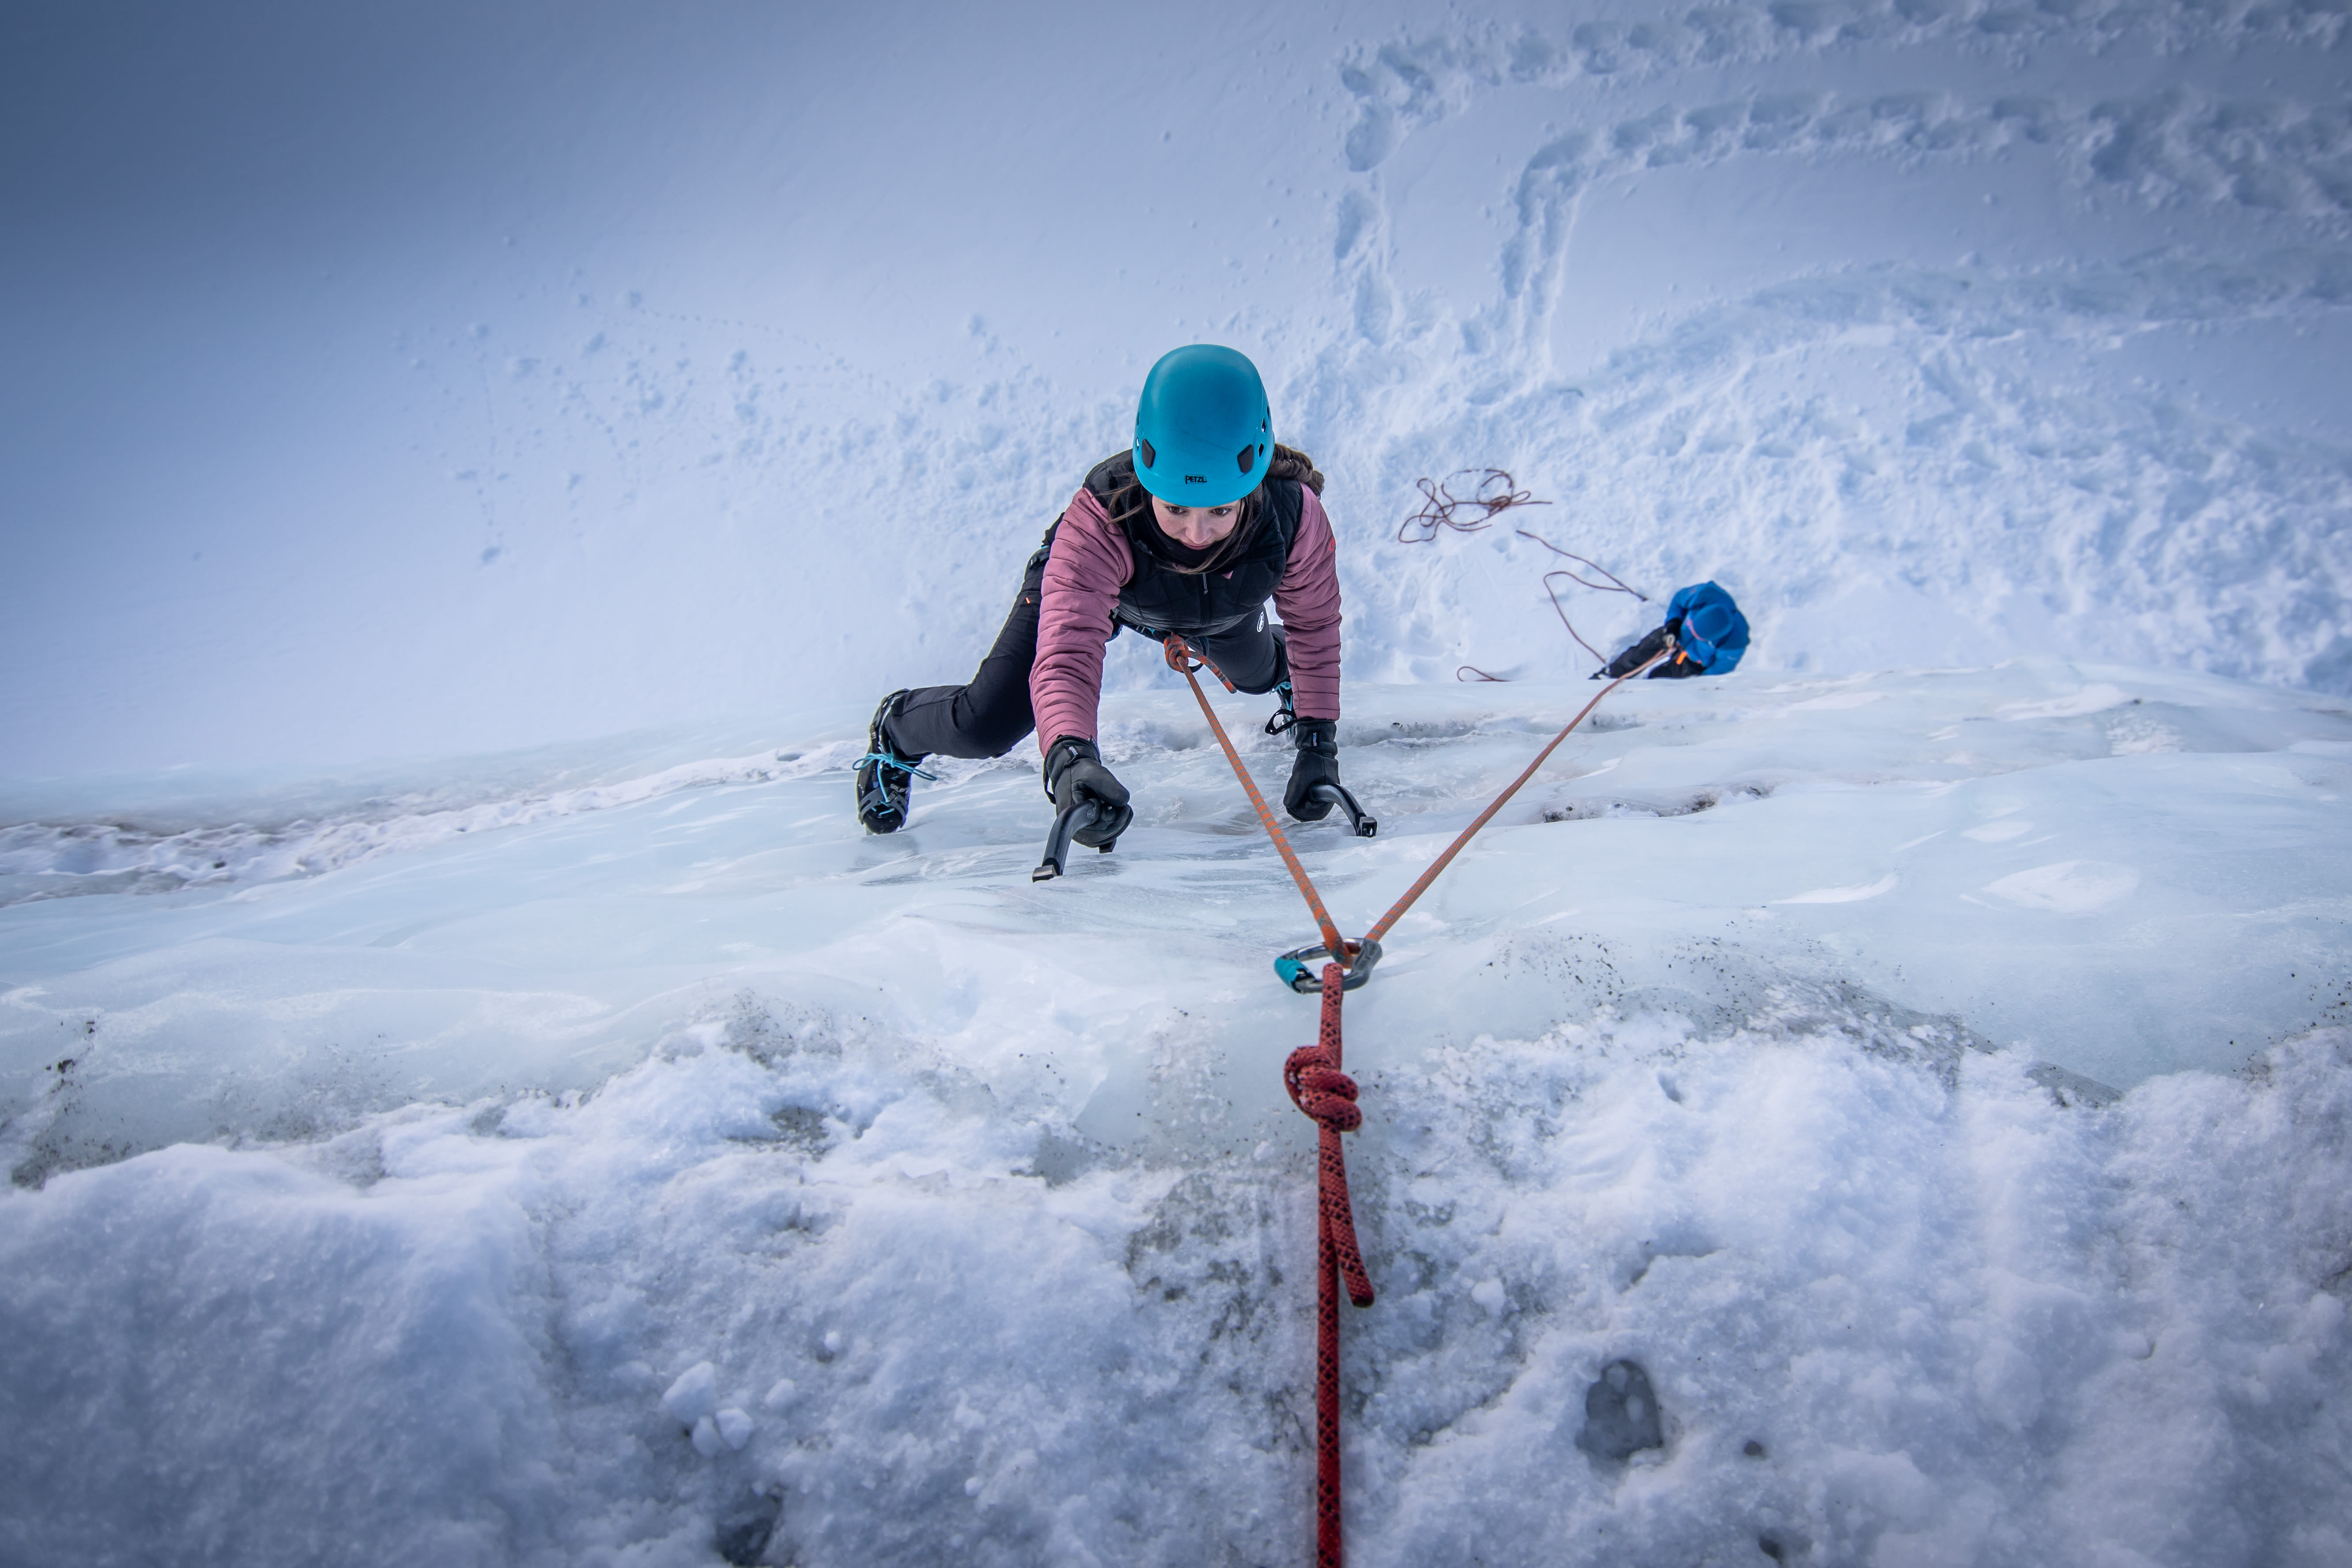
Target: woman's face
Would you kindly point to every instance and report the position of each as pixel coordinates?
(1196, 527)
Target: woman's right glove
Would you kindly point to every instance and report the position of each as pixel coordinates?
(1074, 772)
(1318, 764)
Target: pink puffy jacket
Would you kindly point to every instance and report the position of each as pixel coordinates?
(1092, 561)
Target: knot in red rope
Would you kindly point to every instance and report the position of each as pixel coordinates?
(1321, 1090)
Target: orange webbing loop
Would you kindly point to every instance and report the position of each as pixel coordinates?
(1184, 659)
(1420, 886)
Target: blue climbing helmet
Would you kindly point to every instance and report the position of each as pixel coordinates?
(1713, 633)
(1203, 431)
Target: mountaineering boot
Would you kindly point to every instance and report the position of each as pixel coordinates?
(1286, 715)
(1635, 658)
(885, 779)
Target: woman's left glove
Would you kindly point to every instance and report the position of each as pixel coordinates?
(1318, 764)
(1073, 772)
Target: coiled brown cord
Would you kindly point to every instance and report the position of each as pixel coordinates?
(1441, 508)
(1495, 491)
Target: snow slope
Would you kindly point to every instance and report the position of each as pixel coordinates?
(500, 382)
(1955, 1322)
(1925, 1053)
(982, 1200)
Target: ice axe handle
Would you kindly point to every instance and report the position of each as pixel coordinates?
(1337, 795)
(1066, 821)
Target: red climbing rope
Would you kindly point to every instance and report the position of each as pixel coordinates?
(1320, 1089)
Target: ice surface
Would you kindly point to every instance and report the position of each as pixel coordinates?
(2033, 850)
(695, 1101)
(1889, 1107)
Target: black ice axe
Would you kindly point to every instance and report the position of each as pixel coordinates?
(1365, 828)
(1067, 821)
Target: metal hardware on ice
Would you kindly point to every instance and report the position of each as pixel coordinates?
(1068, 820)
(1296, 970)
(1364, 827)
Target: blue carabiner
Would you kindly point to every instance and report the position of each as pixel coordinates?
(1293, 967)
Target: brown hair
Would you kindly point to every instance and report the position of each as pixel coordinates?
(1131, 503)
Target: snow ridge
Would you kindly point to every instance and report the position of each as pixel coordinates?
(1415, 82)
(1876, 1279)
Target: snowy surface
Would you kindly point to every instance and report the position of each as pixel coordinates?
(1926, 1053)
(951, 1216)
(431, 384)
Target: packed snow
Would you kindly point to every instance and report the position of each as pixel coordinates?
(1770, 1043)
(1890, 1106)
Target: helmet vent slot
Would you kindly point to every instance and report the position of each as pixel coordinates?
(1151, 458)
(1248, 455)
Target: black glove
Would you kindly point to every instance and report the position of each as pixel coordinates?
(1318, 764)
(1074, 772)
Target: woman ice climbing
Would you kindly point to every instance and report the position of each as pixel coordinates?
(1191, 530)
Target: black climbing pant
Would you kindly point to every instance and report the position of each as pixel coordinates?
(988, 715)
